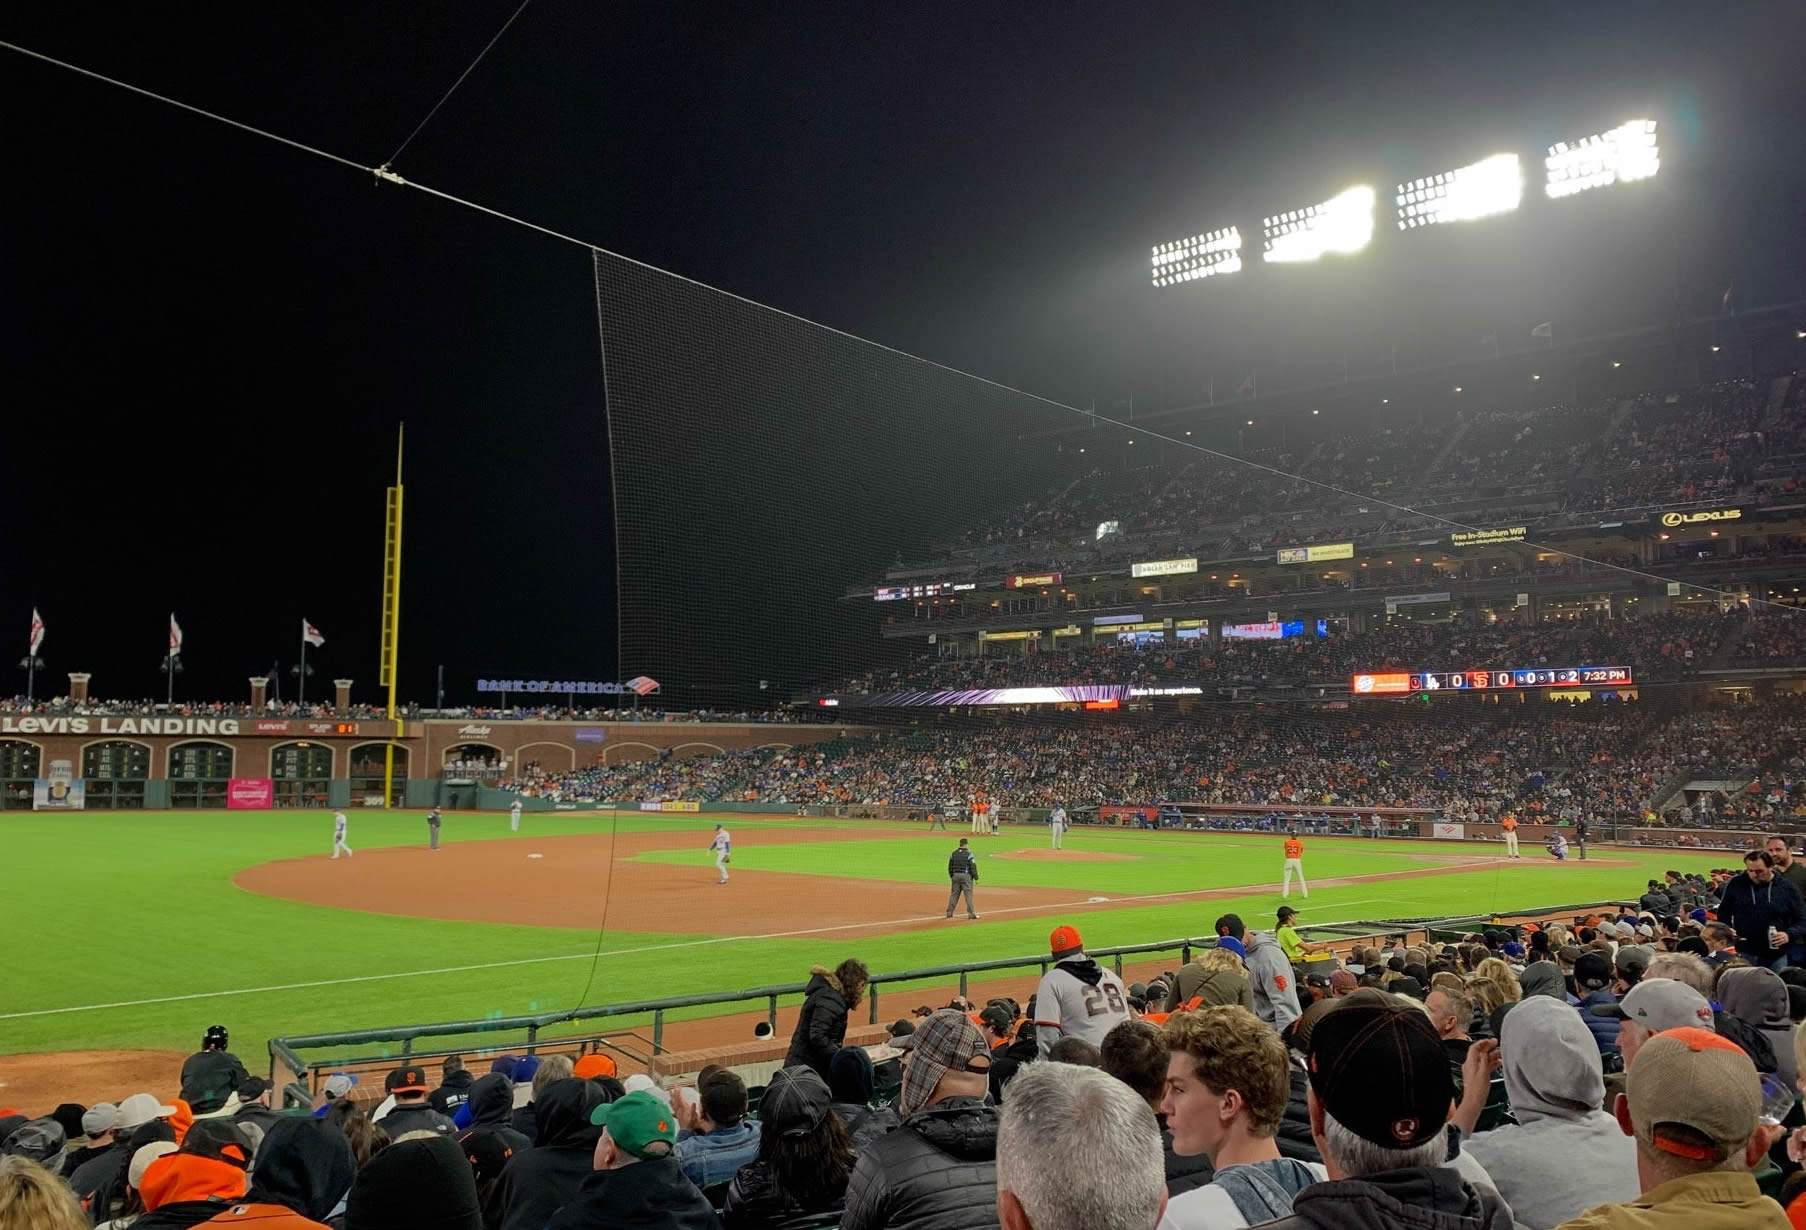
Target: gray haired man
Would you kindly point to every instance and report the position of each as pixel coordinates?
(1077, 1150)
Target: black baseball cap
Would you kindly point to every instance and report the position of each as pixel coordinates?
(1592, 970)
(1381, 1072)
(1286, 911)
(406, 1079)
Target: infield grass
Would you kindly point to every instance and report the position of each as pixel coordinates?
(108, 910)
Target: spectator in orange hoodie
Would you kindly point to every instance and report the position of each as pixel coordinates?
(303, 1169)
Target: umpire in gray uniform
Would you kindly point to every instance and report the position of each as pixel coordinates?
(962, 870)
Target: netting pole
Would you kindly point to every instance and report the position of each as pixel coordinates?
(391, 634)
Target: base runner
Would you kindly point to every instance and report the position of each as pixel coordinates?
(1294, 867)
(721, 846)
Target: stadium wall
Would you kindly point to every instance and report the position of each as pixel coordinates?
(135, 762)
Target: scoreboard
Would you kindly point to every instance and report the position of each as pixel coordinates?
(1396, 682)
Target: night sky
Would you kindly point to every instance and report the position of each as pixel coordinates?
(208, 339)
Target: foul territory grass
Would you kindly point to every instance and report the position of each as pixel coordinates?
(107, 909)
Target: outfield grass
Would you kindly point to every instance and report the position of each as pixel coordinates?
(105, 910)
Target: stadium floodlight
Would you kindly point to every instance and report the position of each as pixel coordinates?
(1201, 256)
(1344, 223)
(1626, 153)
(1491, 186)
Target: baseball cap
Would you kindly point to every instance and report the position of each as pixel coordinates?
(1633, 959)
(339, 1084)
(1285, 912)
(1592, 970)
(100, 1117)
(1661, 1004)
(1694, 1079)
(525, 1068)
(1065, 940)
(221, 1140)
(140, 1109)
(1233, 945)
(997, 1017)
(1512, 949)
(592, 1066)
(144, 1156)
(795, 1101)
(639, 1123)
(1382, 1072)
(946, 1042)
(409, 1078)
(487, 1151)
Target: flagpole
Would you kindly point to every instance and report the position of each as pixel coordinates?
(301, 679)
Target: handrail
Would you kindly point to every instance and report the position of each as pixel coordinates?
(286, 1049)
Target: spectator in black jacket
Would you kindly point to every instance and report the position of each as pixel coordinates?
(938, 1170)
(1656, 901)
(537, 1183)
(415, 1184)
(491, 1102)
(805, 1157)
(637, 1181)
(1006, 1061)
(1757, 902)
(850, 1083)
(821, 1027)
(211, 1074)
(454, 1086)
(1134, 1054)
(411, 1113)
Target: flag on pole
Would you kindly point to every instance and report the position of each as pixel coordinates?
(37, 631)
(1544, 330)
(175, 635)
(642, 685)
(311, 634)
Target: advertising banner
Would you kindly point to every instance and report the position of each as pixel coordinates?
(1074, 694)
(1312, 555)
(250, 794)
(1482, 538)
(1032, 581)
(61, 791)
(670, 806)
(1449, 832)
(1375, 685)
(1673, 519)
(590, 734)
(1171, 567)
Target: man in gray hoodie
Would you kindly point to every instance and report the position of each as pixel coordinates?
(1271, 975)
(1564, 1155)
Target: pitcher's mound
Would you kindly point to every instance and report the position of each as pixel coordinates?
(1044, 855)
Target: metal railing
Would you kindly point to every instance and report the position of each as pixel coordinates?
(287, 1050)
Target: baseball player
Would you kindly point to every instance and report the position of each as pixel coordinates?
(339, 824)
(977, 806)
(1509, 827)
(432, 829)
(720, 846)
(1056, 824)
(514, 815)
(1294, 867)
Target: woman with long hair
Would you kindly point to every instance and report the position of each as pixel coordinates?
(804, 1157)
(31, 1198)
(821, 1026)
(1495, 985)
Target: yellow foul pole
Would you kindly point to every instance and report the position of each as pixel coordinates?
(391, 635)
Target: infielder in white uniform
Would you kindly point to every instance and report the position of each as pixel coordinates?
(1056, 824)
(514, 815)
(721, 845)
(339, 824)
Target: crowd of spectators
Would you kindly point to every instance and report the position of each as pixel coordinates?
(1637, 1068)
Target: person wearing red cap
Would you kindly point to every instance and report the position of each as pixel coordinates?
(1692, 1102)
(1077, 998)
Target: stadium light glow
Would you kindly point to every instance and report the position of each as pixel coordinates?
(1344, 223)
(1201, 256)
(1491, 186)
(1628, 152)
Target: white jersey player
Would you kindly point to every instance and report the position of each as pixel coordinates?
(1056, 824)
(720, 847)
(339, 824)
(514, 815)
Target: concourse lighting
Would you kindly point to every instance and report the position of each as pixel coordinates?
(1491, 186)
(1201, 256)
(1344, 223)
(1628, 152)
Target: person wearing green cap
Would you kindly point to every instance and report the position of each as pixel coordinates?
(637, 1181)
